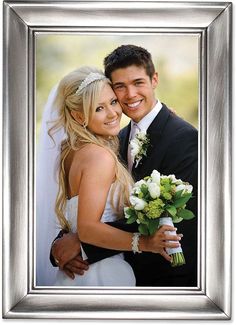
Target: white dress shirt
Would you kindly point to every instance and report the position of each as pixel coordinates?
(146, 121)
(141, 126)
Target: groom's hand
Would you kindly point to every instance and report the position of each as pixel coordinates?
(65, 249)
(75, 266)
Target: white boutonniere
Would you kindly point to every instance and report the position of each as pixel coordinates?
(139, 146)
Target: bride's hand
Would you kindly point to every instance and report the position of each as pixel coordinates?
(161, 240)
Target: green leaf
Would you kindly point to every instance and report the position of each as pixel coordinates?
(130, 212)
(178, 194)
(186, 214)
(143, 229)
(153, 226)
(144, 189)
(177, 219)
(131, 219)
(140, 195)
(182, 201)
(142, 218)
(172, 210)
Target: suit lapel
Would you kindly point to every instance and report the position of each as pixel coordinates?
(154, 132)
(124, 141)
(157, 126)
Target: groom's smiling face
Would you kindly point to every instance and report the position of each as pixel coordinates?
(134, 90)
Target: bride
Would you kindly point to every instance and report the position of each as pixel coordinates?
(93, 184)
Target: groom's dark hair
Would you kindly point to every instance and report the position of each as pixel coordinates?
(127, 55)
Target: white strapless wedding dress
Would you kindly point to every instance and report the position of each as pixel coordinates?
(112, 271)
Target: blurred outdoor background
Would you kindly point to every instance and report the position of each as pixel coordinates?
(175, 58)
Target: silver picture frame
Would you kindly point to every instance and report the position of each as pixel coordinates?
(212, 22)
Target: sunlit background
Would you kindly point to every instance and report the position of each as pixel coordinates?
(175, 58)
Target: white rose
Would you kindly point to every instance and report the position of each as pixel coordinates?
(180, 187)
(139, 183)
(137, 186)
(178, 181)
(134, 148)
(173, 178)
(185, 188)
(149, 181)
(137, 203)
(189, 188)
(125, 211)
(164, 177)
(154, 190)
(155, 175)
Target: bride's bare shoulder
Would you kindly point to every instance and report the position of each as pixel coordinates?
(92, 153)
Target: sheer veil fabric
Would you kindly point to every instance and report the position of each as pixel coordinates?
(46, 191)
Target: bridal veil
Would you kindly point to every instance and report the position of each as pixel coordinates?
(46, 191)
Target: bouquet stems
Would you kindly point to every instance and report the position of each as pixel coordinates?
(177, 256)
(177, 259)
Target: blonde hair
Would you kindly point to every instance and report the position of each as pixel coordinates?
(71, 98)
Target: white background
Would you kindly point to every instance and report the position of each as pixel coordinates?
(233, 321)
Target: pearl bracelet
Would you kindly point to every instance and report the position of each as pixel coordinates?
(135, 242)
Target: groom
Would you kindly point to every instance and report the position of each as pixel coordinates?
(173, 149)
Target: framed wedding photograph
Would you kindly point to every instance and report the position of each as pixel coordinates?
(191, 47)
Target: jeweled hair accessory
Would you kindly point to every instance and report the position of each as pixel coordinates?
(93, 76)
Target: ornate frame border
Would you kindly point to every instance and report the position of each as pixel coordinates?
(211, 299)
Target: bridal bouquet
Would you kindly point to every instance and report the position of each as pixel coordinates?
(160, 200)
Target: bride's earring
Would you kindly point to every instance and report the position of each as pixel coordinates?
(84, 125)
